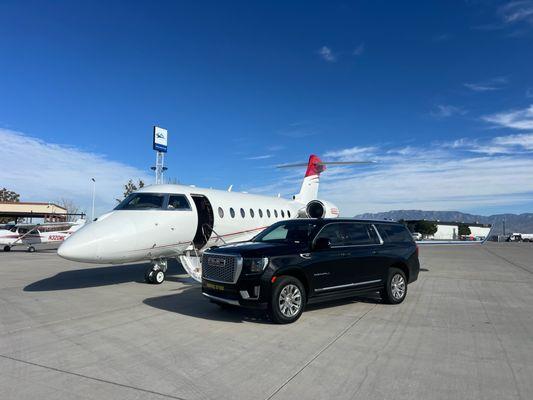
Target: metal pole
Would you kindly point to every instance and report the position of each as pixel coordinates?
(159, 167)
(94, 192)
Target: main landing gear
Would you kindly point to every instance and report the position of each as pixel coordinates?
(155, 273)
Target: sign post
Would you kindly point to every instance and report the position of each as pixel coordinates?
(160, 146)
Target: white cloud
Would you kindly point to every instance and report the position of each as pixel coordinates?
(515, 119)
(327, 54)
(524, 141)
(517, 11)
(262, 157)
(359, 50)
(466, 174)
(350, 153)
(446, 110)
(489, 85)
(42, 171)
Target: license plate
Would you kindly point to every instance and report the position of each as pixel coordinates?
(213, 286)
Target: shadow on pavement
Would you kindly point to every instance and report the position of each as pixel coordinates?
(100, 276)
(190, 302)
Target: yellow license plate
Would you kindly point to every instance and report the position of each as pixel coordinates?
(213, 286)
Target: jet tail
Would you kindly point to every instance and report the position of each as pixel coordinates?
(309, 189)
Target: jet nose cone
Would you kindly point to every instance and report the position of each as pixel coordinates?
(77, 248)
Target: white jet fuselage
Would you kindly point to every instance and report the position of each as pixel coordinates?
(214, 217)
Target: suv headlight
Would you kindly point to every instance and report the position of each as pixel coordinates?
(255, 264)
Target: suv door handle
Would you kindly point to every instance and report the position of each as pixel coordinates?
(345, 254)
(374, 252)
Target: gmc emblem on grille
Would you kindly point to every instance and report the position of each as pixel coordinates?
(216, 262)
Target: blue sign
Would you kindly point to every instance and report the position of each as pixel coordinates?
(160, 139)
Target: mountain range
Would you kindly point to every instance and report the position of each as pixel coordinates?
(522, 223)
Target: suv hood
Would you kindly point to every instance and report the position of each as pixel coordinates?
(258, 249)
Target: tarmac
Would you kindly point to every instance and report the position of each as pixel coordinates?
(79, 331)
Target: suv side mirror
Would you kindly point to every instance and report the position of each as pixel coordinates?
(322, 244)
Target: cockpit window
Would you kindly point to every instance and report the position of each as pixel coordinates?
(142, 201)
(178, 202)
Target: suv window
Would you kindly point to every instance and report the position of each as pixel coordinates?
(348, 234)
(287, 232)
(358, 234)
(395, 233)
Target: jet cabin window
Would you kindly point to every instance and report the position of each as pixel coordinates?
(142, 201)
(178, 202)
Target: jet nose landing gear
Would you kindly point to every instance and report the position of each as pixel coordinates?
(155, 273)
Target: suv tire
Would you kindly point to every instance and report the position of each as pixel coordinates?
(395, 288)
(288, 300)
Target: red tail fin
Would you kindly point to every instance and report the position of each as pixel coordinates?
(315, 166)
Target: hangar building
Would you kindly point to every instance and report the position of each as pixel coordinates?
(450, 230)
(50, 212)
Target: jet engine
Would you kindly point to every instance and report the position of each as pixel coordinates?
(321, 209)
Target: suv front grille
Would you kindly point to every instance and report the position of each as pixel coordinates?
(220, 268)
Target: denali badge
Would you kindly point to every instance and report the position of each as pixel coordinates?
(216, 262)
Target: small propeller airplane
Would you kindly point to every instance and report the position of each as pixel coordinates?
(160, 222)
(32, 234)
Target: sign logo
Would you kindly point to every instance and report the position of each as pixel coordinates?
(216, 262)
(160, 139)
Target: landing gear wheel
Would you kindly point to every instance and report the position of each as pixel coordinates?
(395, 288)
(7, 248)
(288, 300)
(155, 273)
(31, 249)
(158, 277)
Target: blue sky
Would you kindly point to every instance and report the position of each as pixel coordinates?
(439, 93)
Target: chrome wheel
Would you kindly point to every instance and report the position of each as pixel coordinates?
(290, 300)
(397, 286)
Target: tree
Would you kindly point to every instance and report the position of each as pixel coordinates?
(8, 196)
(131, 187)
(426, 227)
(464, 230)
(71, 207)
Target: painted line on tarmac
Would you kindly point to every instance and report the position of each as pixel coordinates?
(335, 339)
(509, 261)
(168, 396)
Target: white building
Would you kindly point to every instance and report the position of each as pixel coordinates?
(450, 230)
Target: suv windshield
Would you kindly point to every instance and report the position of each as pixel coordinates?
(288, 232)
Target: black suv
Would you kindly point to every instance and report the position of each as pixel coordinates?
(301, 261)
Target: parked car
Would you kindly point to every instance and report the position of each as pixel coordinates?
(293, 263)
(416, 236)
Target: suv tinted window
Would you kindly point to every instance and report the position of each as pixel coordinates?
(395, 233)
(358, 234)
(349, 234)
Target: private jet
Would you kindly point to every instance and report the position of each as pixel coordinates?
(160, 222)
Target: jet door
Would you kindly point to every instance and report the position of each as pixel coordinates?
(205, 220)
